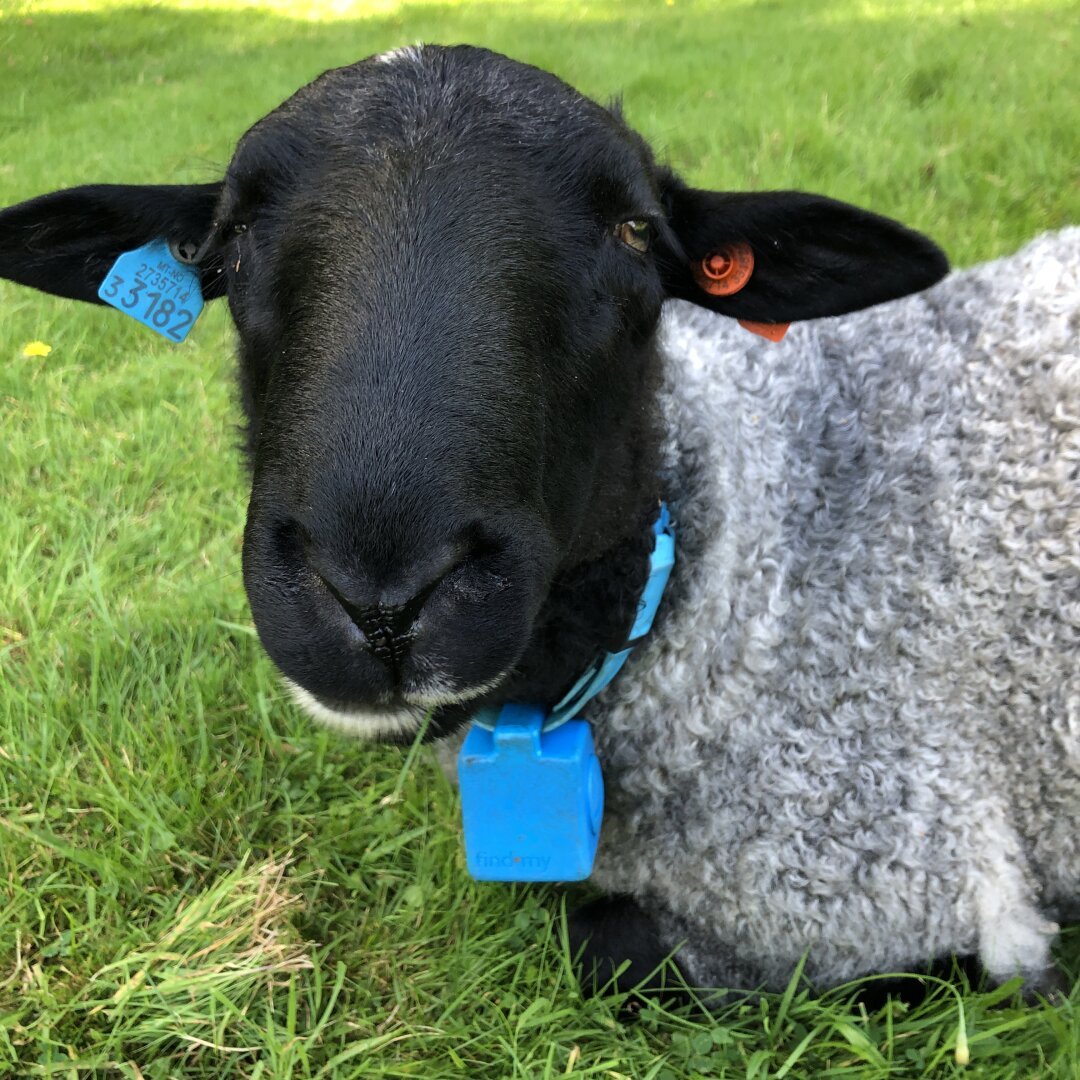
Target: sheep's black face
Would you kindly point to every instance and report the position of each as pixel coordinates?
(446, 269)
(438, 265)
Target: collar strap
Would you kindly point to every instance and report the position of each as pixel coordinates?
(607, 665)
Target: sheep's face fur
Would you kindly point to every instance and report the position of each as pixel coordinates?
(446, 270)
(444, 366)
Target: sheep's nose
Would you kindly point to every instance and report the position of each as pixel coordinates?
(389, 629)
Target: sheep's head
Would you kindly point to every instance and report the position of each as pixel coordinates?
(446, 270)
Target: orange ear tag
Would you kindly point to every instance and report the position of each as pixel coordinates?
(726, 270)
(774, 331)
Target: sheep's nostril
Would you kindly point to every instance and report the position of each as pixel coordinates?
(388, 628)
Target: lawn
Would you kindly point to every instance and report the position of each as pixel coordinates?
(194, 882)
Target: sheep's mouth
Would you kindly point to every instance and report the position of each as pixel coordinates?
(393, 721)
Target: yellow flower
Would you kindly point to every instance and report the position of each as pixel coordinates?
(36, 348)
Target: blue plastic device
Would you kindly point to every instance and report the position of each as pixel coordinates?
(532, 802)
(155, 288)
(532, 793)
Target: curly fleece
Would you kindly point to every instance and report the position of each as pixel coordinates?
(856, 728)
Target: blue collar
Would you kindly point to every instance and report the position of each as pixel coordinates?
(532, 793)
(607, 665)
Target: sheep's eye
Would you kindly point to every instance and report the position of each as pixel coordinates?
(636, 234)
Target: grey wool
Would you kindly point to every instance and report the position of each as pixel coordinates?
(855, 730)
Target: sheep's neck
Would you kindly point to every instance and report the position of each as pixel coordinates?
(589, 611)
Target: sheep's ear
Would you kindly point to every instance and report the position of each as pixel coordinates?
(65, 242)
(809, 256)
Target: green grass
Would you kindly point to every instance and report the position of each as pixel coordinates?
(193, 881)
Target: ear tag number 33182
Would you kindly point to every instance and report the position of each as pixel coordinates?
(155, 288)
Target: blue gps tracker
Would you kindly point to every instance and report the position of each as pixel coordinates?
(532, 802)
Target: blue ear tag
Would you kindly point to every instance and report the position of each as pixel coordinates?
(531, 800)
(532, 794)
(152, 286)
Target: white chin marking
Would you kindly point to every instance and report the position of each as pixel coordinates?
(364, 724)
(435, 693)
(406, 52)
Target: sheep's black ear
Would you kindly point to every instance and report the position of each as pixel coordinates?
(812, 256)
(64, 243)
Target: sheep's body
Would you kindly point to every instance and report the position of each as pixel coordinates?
(857, 726)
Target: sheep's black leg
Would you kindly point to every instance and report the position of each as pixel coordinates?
(1048, 983)
(606, 934)
(913, 990)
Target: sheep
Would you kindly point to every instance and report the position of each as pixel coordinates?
(447, 271)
